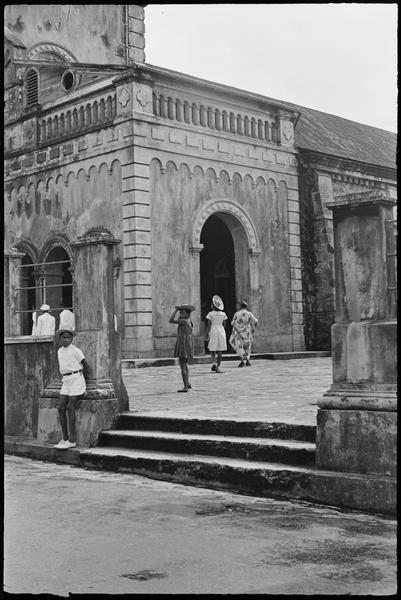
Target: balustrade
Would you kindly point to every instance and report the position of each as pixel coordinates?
(213, 118)
(78, 119)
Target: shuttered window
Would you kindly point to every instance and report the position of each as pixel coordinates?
(32, 87)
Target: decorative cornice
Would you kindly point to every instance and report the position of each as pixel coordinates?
(358, 199)
(321, 161)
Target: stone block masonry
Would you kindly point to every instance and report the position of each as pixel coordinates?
(137, 260)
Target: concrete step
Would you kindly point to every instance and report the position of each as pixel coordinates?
(138, 363)
(371, 493)
(247, 448)
(265, 479)
(259, 429)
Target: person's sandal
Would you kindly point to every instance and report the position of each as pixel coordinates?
(183, 390)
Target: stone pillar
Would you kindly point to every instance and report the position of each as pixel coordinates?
(356, 420)
(12, 279)
(97, 337)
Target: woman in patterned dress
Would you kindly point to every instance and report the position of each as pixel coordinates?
(243, 325)
(215, 331)
(184, 349)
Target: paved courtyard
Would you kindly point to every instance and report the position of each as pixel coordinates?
(70, 530)
(269, 390)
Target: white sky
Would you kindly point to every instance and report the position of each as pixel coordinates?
(337, 58)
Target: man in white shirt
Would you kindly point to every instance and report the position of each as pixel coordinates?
(46, 323)
(67, 319)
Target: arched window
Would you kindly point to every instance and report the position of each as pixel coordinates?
(58, 281)
(27, 295)
(31, 87)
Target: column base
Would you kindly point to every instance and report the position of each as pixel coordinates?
(97, 410)
(355, 439)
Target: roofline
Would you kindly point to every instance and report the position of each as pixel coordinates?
(317, 154)
(218, 87)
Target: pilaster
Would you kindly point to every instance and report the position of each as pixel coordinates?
(105, 394)
(12, 279)
(294, 246)
(356, 420)
(137, 265)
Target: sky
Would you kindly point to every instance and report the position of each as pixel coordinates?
(340, 58)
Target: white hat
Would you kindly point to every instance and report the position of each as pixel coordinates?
(66, 330)
(218, 302)
(45, 307)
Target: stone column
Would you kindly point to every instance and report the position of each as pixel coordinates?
(356, 420)
(12, 279)
(106, 395)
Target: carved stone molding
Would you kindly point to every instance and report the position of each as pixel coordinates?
(224, 205)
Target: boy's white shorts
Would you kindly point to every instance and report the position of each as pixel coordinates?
(73, 385)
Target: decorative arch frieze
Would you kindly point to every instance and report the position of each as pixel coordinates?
(224, 205)
(60, 53)
(54, 240)
(28, 248)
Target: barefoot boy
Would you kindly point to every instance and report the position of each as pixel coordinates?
(74, 370)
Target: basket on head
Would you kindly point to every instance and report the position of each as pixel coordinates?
(188, 307)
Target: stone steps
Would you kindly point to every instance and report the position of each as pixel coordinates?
(267, 459)
(256, 478)
(248, 448)
(286, 431)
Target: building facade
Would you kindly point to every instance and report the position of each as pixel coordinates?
(209, 189)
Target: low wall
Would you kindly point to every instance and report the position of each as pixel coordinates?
(28, 367)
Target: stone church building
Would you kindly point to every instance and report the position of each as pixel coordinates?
(210, 189)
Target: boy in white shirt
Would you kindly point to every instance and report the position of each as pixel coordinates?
(74, 370)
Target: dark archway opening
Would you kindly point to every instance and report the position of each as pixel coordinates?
(28, 296)
(58, 276)
(217, 268)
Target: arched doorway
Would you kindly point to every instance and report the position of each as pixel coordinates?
(217, 268)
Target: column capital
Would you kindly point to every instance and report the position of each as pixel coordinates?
(358, 199)
(13, 253)
(96, 235)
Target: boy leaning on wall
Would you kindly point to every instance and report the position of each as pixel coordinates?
(75, 371)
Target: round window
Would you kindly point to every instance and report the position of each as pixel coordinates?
(68, 80)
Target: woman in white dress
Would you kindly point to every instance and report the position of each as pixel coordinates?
(215, 332)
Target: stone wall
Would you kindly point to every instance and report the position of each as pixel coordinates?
(116, 30)
(178, 193)
(322, 178)
(28, 367)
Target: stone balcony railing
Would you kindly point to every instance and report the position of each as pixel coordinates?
(210, 117)
(44, 127)
(73, 121)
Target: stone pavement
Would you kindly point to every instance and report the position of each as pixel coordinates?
(70, 530)
(269, 390)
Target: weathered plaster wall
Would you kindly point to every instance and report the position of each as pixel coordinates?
(28, 367)
(358, 441)
(320, 183)
(53, 202)
(177, 194)
(93, 33)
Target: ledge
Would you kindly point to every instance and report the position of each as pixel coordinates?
(28, 339)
